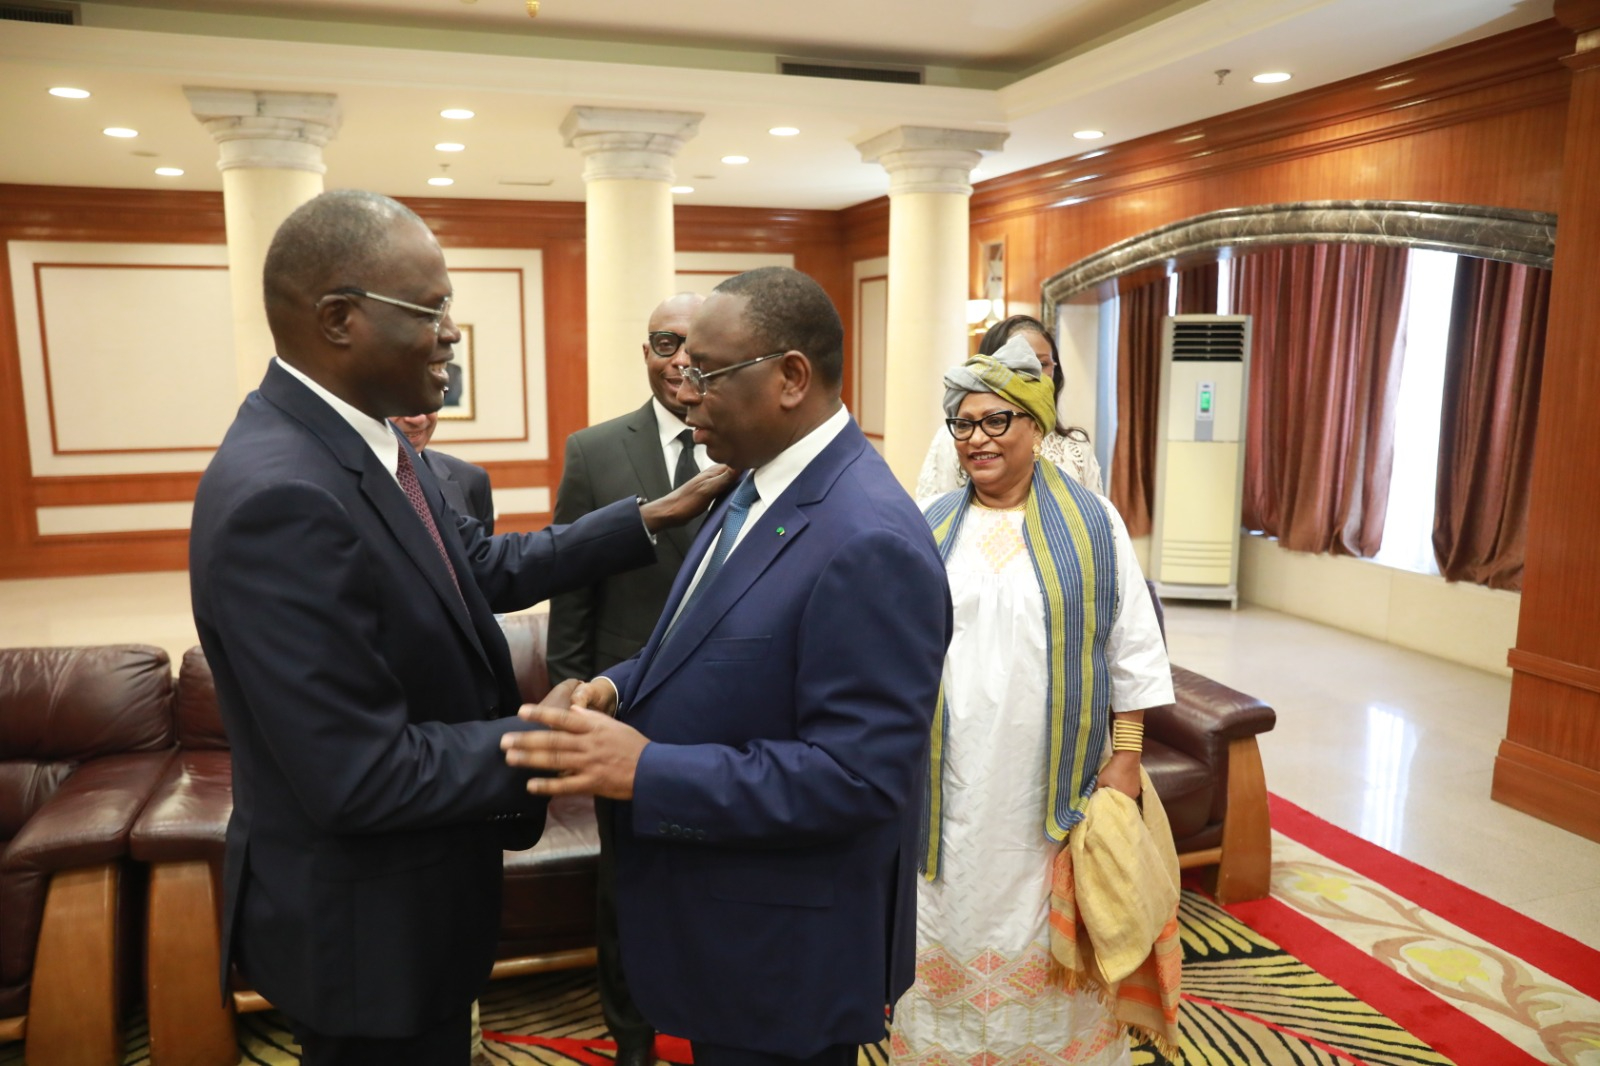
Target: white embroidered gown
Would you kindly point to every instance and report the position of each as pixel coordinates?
(982, 995)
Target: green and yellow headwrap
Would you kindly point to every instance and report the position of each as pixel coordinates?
(1013, 374)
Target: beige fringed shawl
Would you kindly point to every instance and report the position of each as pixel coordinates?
(1114, 913)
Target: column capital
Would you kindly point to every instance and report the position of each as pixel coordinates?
(628, 143)
(261, 128)
(930, 159)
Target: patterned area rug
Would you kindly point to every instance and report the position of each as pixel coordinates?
(1359, 958)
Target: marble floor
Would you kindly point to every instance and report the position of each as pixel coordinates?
(1392, 745)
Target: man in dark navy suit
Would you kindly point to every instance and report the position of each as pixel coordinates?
(771, 738)
(347, 615)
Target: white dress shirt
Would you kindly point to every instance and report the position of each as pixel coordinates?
(669, 426)
(379, 433)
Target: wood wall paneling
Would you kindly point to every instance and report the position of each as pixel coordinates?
(1549, 763)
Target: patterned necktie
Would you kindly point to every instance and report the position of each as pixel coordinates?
(687, 468)
(738, 510)
(407, 475)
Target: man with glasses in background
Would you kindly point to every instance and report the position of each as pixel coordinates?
(348, 619)
(771, 740)
(645, 453)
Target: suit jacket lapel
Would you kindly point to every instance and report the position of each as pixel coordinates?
(641, 439)
(379, 487)
(760, 548)
(451, 489)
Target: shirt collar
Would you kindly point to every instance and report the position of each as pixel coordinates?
(377, 432)
(668, 424)
(779, 472)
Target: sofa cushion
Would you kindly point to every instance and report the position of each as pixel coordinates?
(195, 713)
(1185, 785)
(72, 704)
(549, 896)
(187, 818)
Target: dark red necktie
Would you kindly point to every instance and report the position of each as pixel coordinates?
(407, 475)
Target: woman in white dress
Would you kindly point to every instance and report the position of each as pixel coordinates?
(1066, 446)
(1043, 578)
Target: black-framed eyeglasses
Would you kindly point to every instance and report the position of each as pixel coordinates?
(697, 378)
(995, 425)
(435, 315)
(666, 343)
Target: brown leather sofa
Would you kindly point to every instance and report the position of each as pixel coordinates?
(84, 735)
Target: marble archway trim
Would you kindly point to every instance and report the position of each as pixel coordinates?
(1488, 232)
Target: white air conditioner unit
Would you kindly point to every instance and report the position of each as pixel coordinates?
(1200, 434)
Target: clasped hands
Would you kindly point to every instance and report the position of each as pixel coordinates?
(582, 744)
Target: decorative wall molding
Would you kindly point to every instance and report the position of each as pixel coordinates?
(1487, 232)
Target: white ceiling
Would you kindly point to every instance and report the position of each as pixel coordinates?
(1039, 69)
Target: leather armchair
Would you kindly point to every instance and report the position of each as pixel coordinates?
(84, 735)
(1202, 756)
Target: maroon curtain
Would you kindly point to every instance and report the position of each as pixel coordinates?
(1133, 460)
(1197, 290)
(1493, 363)
(1328, 324)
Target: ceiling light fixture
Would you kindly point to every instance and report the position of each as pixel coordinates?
(441, 181)
(456, 112)
(784, 131)
(66, 92)
(736, 160)
(1271, 77)
(449, 146)
(119, 131)
(170, 172)
(683, 188)
(1089, 135)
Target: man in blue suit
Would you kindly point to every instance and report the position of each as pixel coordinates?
(347, 615)
(771, 738)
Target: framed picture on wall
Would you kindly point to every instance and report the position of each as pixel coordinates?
(458, 403)
(994, 278)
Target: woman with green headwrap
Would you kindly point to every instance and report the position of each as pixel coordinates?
(1054, 632)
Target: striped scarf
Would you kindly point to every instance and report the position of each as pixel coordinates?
(1069, 542)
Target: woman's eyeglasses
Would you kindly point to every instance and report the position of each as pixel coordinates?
(994, 425)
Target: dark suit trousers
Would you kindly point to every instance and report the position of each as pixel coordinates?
(628, 1027)
(446, 1044)
(717, 1055)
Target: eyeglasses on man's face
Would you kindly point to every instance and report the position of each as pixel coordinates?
(696, 378)
(994, 425)
(434, 315)
(665, 343)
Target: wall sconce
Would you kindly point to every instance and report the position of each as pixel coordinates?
(978, 311)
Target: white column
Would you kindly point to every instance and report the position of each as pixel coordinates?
(270, 147)
(628, 242)
(930, 182)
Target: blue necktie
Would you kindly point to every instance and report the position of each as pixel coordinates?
(732, 521)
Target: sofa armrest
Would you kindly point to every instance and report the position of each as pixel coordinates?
(187, 817)
(1206, 716)
(89, 817)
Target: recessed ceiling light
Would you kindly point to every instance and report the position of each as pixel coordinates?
(119, 131)
(170, 172)
(449, 146)
(1271, 77)
(1089, 135)
(784, 131)
(455, 112)
(441, 181)
(683, 188)
(736, 160)
(66, 92)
